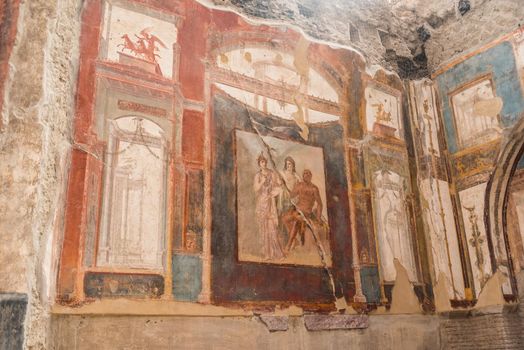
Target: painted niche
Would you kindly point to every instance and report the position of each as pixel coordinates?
(427, 117)
(440, 222)
(476, 110)
(133, 209)
(393, 234)
(472, 201)
(383, 113)
(138, 37)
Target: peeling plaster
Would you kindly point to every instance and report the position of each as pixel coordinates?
(404, 299)
(491, 294)
(284, 25)
(440, 291)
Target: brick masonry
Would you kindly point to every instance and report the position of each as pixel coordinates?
(501, 328)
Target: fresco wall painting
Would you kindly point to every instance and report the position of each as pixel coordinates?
(393, 231)
(133, 209)
(383, 116)
(255, 231)
(231, 164)
(476, 109)
(137, 131)
(146, 119)
(151, 136)
(443, 234)
(472, 200)
(125, 122)
(425, 118)
(436, 203)
(483, 87)
(281, 82)
(518, 40)
(226, 170)
(388, 175)
(142, 39)
(278, 199)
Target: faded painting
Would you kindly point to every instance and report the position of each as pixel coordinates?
(383, 113)
(290, 91)
(393, 234)
(440, 222)
(472, 202)
(476, 110)
(276, 68)
(518, 198)
(281, 201)
(426, 121)
(277, 108)
(133, 209)
(138, 39)
(519, 51)
(515, 227)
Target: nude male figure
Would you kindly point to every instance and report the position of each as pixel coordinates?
(306, 197)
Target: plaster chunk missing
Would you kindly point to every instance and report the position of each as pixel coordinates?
(404, 299)
(491, 294)
(442, 302)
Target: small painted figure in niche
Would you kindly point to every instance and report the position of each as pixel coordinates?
(381, 115)
(393, 233)
(308, 203)
(267, 186)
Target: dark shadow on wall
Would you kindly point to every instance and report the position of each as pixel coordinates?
(12, 314)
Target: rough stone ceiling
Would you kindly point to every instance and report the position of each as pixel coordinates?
(393, 33)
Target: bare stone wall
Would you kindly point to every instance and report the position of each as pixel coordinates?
(486, 21)
(411, 37)
(34, 148)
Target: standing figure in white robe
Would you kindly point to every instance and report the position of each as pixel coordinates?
(267, 187)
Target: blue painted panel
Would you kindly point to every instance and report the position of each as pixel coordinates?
(500, 61)
(370, 283)
(187, 277)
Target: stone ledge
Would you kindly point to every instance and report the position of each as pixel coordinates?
(275, 323)
(332, 322)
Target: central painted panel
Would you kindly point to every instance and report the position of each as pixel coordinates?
(278, 181)
(260, 251)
